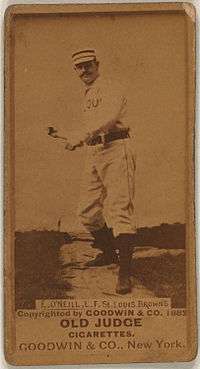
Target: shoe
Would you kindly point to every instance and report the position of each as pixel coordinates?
(103, 239)
(123, 285)
(103, 259)
(124, 242)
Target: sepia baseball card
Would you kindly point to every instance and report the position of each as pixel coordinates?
(99, 183)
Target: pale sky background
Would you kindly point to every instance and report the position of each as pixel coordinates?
(147, 54)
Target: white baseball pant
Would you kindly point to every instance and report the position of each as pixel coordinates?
(107, 188)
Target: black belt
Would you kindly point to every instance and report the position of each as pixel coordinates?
(109, 137)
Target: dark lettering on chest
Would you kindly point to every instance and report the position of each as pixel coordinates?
(92, 103)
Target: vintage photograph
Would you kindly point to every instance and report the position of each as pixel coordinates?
(100, 155)
(101, 208)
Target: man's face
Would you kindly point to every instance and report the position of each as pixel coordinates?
(87, 71)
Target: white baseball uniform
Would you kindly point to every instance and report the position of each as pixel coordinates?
(107, 189)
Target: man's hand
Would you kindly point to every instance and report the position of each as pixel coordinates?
(74, 140)
(71, 147)
(90, 136)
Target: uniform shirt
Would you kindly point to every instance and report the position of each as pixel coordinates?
(104, 103)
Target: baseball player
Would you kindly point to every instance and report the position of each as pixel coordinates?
(107, 190)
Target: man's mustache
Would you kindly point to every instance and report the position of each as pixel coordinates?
(85, 74)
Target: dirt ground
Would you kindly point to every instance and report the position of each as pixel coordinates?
(51, 265)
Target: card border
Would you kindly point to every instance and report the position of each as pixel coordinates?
(9, 171)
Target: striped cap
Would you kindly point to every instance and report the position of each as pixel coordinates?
(83, 56)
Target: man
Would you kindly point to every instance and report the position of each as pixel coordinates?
(106, 207)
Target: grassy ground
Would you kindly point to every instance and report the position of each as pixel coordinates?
(49, 267)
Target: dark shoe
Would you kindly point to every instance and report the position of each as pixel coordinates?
(103, 239)
(124, 242)
(123, 285)
(103, 259)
